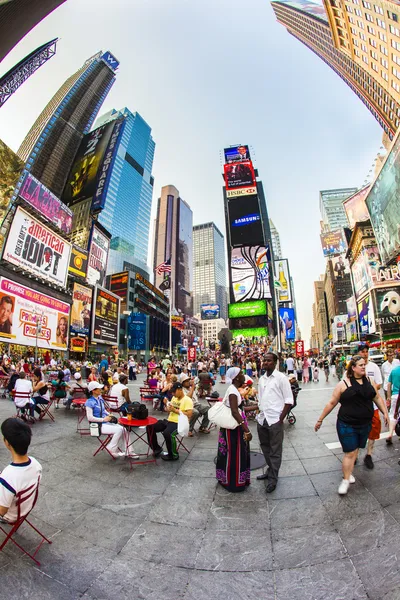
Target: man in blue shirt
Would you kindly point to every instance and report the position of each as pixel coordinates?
(103, 364)
(393, 389)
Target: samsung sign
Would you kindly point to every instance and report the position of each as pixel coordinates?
(110, 60)
(246, 220)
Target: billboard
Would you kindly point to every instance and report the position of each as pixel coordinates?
(355, 208)
(11, 167)
(81, 310)
(247, 309)
(248, 191)
(36, 249)
(250, 333)
(383, 205)
(245, 225)
(282, 275)
(236, 154)
(239, 175)
(77, 344)
(119, 283)
(89, 173)
(23, 309)
(210, 312)
(250, 274)
(366, 317)
(299, 346)
(98, 257)
(137, 331)
(351, 308)
(105, 317)
(46, 203)
(388, 309)
(340, 266)
(333, 243)
(287, 320)
(78, 261)
(110, 60)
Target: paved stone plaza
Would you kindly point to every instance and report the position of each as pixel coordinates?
(167, 531)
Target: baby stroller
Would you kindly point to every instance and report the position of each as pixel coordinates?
(294, 384)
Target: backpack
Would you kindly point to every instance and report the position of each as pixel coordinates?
(138, 410)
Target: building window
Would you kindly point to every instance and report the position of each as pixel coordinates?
(381, 23)
(374, 54)
(384, 50)
(385, 76)
(392, 16)
(378, 9)
(394, 30)
(369, 17)
(366, 4)
(373, 43)
(382, 36)
(365, 59)
(384, 63)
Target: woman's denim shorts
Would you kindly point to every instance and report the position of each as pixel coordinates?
(352, 437)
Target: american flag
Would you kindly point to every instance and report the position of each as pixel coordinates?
(165, 267)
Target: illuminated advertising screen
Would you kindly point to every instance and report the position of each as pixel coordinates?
(247, 309)
(388, 308)
(105, 317)
(34, 248)
(355, 208)
(119, 283)
(333, 243)
(239, 175)
(78, 261)
(245, 225)
(383, 205)
(137, 326)
(284, 289)
(90, 172)
(81, 310)
(46, 203)
(366, 317)
(248, 322)
(209, 312)
(236, 154)
(98, 257)
(287, 321)
(22, 309)
(340, 266)
(250, 273)
(250, 333)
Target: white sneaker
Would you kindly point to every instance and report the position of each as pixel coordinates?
(352, 479)
(133, 455)
(118, 454)
(344, 487)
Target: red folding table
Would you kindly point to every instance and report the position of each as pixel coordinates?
(131, 426)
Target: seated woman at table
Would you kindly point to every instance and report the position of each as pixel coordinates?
(168, 427)
(41, 393)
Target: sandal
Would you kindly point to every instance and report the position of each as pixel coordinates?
(203, 431)
(190, 434)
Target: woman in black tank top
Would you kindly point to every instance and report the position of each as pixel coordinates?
(356, 395)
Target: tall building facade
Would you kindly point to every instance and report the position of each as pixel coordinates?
(51, 144)
(275, 240)
(209, 268)
(18, 17)
(309, 23)
(126, 212)
(333, 214)
(173, 243)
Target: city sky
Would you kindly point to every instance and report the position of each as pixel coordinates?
(209, 74)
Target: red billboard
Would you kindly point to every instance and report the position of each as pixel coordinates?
(191, 353)
(299, 345)
(239, 175)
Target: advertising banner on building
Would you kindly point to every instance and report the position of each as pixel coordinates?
(78, 262)
(36, 249)
(98, 257)
(388, 309)
(248, 191)
(247, 309)
(105, 317)
(11, 167)
(383, 205)
(81, 310)
(119, 283)
(22, 308)
(137, 331)
(245, 224)
(77, 344)
(283, 280)
(299, 346)
(366, 318)
(191, 354)
(236, 154)
(209, 312)
(239, 175)
(351, 308)
(355, 207)
(340, 266)
(46, 203)
(178, 322)
(287, 320)
(250, 333)
(333, 243)
(250, 273)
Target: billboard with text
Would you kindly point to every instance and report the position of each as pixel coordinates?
(105, 317)
(250, 273)
(81, 310)
(245, 224)
(355, 207)
(239, 175)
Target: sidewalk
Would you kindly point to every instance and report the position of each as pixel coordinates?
(168, 532)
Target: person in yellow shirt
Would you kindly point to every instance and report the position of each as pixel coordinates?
(168, 427)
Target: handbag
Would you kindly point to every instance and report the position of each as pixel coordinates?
(138, 411)
(221, 415)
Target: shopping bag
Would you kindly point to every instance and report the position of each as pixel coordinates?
(183, 424)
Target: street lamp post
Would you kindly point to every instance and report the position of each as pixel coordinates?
(38, 332)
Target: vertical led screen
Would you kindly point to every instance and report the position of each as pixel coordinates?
(287, 321)
(98, 257)
(245, 225)
(239, 175)
(283, 277)
(250, 274)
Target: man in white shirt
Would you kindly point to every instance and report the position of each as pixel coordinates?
(372, 371)
(387, 368)
(24, 402)
(120, 391)
(132, 364)
(275, 400)
(290, 364)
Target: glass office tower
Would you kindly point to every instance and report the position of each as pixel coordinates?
(126, 213)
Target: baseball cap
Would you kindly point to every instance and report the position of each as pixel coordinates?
(176, 386)
(77, 376)
(95, 385)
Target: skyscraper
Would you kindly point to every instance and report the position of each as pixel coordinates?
(173, 244)
(331, 207)
(309, 23)
(209, 268)
(275, 240)
(126, 212)
(50, 147)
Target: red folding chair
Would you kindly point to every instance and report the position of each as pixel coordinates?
(111, 404)
(45, 410)
(20, 499)
(103, 444)
(24, 396)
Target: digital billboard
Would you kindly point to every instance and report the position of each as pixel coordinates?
(46, 203)
(388, 308)
(105, 317)
(333, 243)
(247, 191)
(287, 320)
(236, 154)
(366, 317)
(247, 309)
(36, 249)
(250, 273)
(98, 257)
(137, 331)
(340, 266)
(355, 207)
(78, 261)
(90, 172)
(282, 275)
(250, 333)
(383, 205)
(245, 225)
(81, 310)
(351, 308)
(119, 283)
(24, 309)
(239, 175)
(209, 312)
(110, 60)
